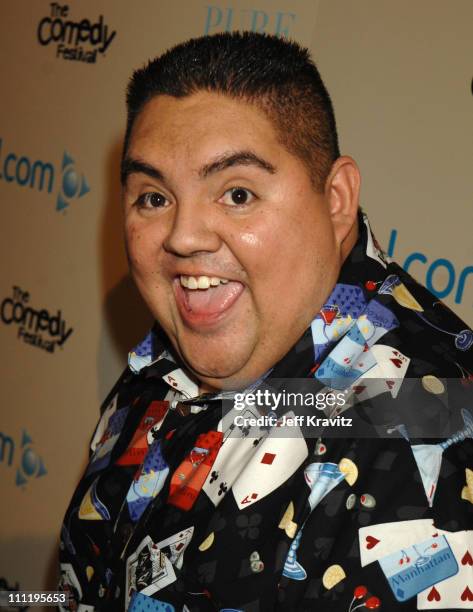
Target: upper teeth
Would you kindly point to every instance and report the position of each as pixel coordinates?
(201, 282)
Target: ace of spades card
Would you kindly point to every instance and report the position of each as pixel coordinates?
(269, 465)
(231, 459)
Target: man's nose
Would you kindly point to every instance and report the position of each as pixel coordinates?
(192, 230)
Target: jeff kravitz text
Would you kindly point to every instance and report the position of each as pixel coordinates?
(292, 421)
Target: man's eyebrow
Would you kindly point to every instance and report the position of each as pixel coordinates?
(235, 158)
(226, 160)
(133, 166)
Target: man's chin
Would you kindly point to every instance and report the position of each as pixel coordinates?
(221, 376)
(218, 360)
(221, 371)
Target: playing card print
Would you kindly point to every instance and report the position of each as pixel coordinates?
(346, 362)
(414, 568)
(179, 381)
(142, 354)
(378, 541)
(188, 479)
(144, 434)
(343, 306)
(241, 430)
(143, 603)
(70, 585)
(148, 481)
(231, 459)
(271, 463)
(113, 422)
(174, 546)
(389, 367)
(394, 366)
(456, 592)
(148, 570)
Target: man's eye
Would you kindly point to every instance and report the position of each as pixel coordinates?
(237, 196)
(151, 199)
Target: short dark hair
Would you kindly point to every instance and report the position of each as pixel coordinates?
(273, 73)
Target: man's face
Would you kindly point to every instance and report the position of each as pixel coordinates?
(214, 200)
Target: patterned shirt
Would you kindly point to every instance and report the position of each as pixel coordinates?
(180, 510)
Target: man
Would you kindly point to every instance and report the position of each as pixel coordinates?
(245, 239)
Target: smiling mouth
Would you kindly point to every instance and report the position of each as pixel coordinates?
(205, 300)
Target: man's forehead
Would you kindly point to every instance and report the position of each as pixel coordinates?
(208, 131)
(202, 115)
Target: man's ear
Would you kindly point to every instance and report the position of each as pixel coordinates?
(342, 190)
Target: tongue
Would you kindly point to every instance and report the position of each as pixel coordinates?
(214, 299)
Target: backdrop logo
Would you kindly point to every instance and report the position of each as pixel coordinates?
(227, 19)
(36, 326)
(72, 185)
(40, 175)
(30, 464)
(70, 35)
(448, 267)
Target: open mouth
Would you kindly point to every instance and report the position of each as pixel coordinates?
(205, 299)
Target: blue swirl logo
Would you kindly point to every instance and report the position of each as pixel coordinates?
(73, 184)
(31, 464)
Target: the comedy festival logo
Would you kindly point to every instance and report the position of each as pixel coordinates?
(80, 40)
(64, 180)
(453, 280)
(37, 327)
(22, 457)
